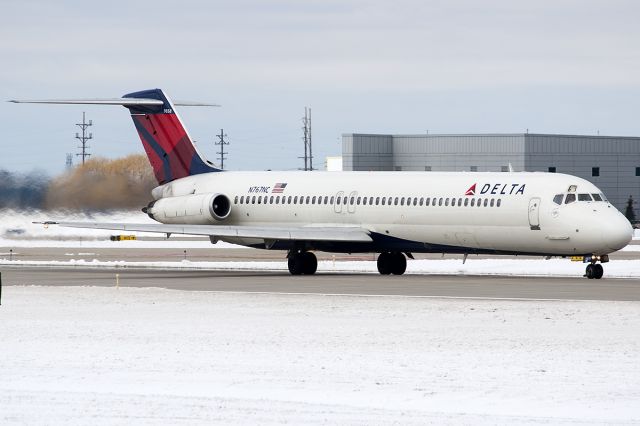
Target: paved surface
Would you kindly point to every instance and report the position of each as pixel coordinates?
(217, 254)
(369, 284)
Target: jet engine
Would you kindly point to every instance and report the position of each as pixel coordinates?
(196, 209)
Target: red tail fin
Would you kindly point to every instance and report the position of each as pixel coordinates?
(171, 152)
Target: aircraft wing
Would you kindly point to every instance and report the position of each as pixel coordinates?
(302, 233)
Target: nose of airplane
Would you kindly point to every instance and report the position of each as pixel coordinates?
(616, 231)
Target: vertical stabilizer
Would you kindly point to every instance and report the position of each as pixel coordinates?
(169, 147)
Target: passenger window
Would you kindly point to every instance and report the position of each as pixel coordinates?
(421, 200)
(253, 200)
(584, 197)
(331, 201)
(271, 200)
(466, 202)
(295, 200)
(352, 200)
(440, 201)
(486, 201)
(427, 201)
(402, 201)
(395, 202)
(570, 198)
(313, 199)
(499, 202)
(596, 197)
(377, 200)
(382, 201)
(364, 201)
(459, 202)
(371, 201)
(345, 200)
(235, 200)
(492, 202)
(242, 199)
(358, 200)
(446, 202)
(289, 200)
(473, 202)
(338, 200)
(558, 198)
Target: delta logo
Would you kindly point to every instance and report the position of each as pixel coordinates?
(497, 189)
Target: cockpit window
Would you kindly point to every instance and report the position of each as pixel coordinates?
(584, 197)
(570, 198)
(603, 197)
(558, 198)
(596, 197)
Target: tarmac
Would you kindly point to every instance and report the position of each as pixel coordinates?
(491, 287)
(494, 287)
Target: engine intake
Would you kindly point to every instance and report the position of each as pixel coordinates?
(220, 207)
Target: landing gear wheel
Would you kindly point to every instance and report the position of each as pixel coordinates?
(399, 264)
(295, 264)
(598, 271)
(392, 263)
(385, 263)
(590, 271)
(310, 263)
(302, 262)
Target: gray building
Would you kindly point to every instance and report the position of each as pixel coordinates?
(612, 163)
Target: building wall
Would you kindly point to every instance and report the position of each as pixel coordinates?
(367, 152)
(616, 157)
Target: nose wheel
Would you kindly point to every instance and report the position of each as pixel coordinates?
(594, 271)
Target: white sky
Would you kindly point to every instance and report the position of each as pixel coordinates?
(362, 66)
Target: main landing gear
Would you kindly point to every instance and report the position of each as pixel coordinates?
(302, 262)
(392, 262)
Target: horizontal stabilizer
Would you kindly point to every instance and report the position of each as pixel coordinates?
(126, 102)
(336, 233)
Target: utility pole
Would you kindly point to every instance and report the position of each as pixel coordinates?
(69, 161)
(306, 137)
(84, 138)
(222, 143)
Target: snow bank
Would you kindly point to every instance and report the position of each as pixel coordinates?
(18, 230)
(154, 356)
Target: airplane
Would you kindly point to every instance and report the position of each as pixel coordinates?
(394, 214)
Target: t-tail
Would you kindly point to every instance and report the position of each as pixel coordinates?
(167, 143)
(169, 147)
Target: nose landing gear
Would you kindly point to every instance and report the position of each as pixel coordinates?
(594, 270)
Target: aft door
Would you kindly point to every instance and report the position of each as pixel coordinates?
(337, 203)
(534, 213)
(351, 207)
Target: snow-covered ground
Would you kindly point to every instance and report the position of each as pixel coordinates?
(88, 355)
(18, 230)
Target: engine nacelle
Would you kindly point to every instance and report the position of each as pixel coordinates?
(196, 209)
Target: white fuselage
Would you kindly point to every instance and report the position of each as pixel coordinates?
(504, 213)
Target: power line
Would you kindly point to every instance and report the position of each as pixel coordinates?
(84, 138)
(69, 163)
(306, 138)
(222, 143)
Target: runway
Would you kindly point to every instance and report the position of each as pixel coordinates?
(493, 287)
